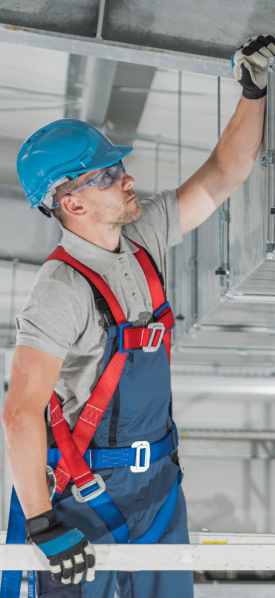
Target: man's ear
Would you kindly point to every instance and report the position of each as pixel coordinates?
(72, 205)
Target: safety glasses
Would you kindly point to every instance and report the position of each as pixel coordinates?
(106, 178)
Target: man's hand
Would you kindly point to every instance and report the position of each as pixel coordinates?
(249, 65)
(69, 552)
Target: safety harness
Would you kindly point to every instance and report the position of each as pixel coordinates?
(73, 459)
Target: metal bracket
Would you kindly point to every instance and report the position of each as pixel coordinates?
(269, 247)
(268, 158)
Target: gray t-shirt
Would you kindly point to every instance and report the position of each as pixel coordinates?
(60, 317)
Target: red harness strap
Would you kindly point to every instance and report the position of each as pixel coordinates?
(73, 445)
(157, 294)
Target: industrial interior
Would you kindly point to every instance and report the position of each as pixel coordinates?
(158, 77)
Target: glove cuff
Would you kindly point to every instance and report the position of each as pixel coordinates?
(255, 94)
(45, 527)
(40, 523)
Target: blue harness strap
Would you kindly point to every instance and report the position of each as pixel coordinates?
(121, 457)
(162, 518)
(11, 580)
(104, 505)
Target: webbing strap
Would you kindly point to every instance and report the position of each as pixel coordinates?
(11, 580)
(162, 518)
(60, 254)
(77, 443)
(133, 338)
(156, 290)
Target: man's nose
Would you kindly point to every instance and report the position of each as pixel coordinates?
(127, 181)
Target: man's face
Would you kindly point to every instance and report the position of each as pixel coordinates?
(115, 206)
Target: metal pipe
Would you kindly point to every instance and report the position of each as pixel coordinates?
(169, 91)
(220, 207)
(156, 167)
(153, 139)
(1, 442)
(32, 108)
(270, 146)
(110, 50)
(11, 326)
(227, 435)
(100, 19)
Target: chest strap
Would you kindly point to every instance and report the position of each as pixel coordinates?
(87, 486)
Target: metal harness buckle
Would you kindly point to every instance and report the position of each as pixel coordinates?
(77, 491)
(139, 446)
(155, 326)
(51, 481)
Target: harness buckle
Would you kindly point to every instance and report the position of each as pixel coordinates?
(87, 497)
(155, 326)
(51, 481)
(140, 445)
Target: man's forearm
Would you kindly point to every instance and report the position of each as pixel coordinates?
(26, 449)
(227, 167)
(240, 142)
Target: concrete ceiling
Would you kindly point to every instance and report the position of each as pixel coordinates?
(213, 28)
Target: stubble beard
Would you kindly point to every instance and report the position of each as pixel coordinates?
(128, 216)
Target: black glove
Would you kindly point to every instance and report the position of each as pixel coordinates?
(249, 65)
(67, 549)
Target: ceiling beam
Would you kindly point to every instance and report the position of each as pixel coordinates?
(109, 50)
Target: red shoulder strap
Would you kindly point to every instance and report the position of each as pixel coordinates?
(155, 288)
(60, 254)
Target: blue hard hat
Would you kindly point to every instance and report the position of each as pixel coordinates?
(65, 147)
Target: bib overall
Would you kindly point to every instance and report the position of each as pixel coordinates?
(139, 410)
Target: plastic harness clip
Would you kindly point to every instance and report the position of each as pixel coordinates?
(140, 445)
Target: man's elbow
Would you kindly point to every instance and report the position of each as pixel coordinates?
(11, 420)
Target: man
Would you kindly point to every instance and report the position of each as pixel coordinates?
(68, 341)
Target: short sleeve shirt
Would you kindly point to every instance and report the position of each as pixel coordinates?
(60, 317)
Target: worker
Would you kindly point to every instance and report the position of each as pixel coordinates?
(93, 345)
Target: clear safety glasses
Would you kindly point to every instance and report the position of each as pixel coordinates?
(106, 178)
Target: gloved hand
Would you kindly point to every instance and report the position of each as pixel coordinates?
(67, 549)
(249, 65)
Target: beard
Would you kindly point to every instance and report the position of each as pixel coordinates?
(129, 215)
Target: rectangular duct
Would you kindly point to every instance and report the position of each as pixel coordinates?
(235, 250)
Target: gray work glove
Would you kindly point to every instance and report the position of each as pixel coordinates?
(69, 552)
(249, 65)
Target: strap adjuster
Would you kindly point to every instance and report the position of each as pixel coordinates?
(87, 497)
(155, 326)
(140, 445)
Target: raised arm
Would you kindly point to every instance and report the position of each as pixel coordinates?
(227, 167)
(232, 159)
